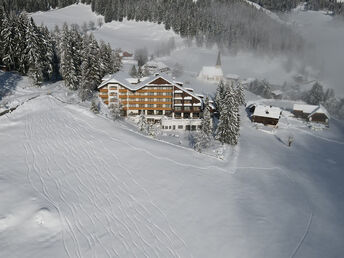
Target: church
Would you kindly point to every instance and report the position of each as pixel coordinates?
(212, 74)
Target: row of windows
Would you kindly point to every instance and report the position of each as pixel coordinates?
(157, 88)
(181, 127)
(151, 105)
(187, 108)
(149, 93)
(179, 101)
(151, 99)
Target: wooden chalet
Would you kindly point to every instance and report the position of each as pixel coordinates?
(267, 115)
(312, 113)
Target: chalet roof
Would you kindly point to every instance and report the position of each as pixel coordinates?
(267, 111)
(320, 110)
(134, 84)
(311, 109)
(211, 71)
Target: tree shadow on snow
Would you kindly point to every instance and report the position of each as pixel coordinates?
(8, 82)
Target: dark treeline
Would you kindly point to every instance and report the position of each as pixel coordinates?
(33, 5)
(231, 24)
(287, 5)
(65, 54)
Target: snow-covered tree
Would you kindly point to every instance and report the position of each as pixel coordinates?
(90, 67)
(133, 72)
(315, 95)
(228, 127)
(219, 95)
(68, 67)
(205, 135)
(142, 123)
(94, 107)
(239, 90)
(115, 111)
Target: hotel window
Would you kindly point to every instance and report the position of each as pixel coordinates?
(178, 101)
(141, 105)
(132, 105)
(196, 108)
(168, 93)
(159, 105)
(168, 105)
(187, 102)
(177, 108)
(141, 99)
(178, 95)
(151, 93)
(187, 108)
(180, 127)
(150, 105)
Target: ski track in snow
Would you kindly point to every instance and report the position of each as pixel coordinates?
(125, 221)
(308, 226)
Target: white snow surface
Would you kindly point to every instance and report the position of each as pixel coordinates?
(73, 14)
(75, 184)
(267, 111)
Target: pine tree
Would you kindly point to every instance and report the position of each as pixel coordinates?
(115, 111)
(133, 72)
(34, 53)
(219, 95)
(142, 123)
(90, 67)
(315, 95)
(239, 90)
(205, 135)
(229, 122)
(94, 107)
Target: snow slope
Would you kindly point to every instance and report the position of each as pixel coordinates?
(73, 14)
(123, 35)
(73, 184)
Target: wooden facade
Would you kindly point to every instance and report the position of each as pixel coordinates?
(265, 120)
(158, 97)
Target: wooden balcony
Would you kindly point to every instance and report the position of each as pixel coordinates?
(146, 108)
(146, 102)
(103, 90)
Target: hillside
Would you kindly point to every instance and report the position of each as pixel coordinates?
(77, 184)
(74, 184)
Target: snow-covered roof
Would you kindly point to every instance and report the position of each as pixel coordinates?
(311, 109)
(277, 92)
(320, 110)
(305, 108)
(133, 84)
(211, 71)
(267, 111)
(232, 76)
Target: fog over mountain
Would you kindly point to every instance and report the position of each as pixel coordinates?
(325, 35)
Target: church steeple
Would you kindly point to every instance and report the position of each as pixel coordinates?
(218, 62)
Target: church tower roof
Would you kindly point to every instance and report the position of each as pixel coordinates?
(218, 62)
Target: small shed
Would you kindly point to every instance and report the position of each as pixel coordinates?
(312, 113)
(267, 115)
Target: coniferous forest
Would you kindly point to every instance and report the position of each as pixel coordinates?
(231, 24)
(77, 58)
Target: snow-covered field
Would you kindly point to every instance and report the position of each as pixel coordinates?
(74, 184)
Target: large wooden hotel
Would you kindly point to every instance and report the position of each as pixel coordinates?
(161, 99)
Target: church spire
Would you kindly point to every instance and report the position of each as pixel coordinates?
(218, 62)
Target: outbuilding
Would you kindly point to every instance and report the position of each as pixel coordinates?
(312, 113)
(267, 115)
